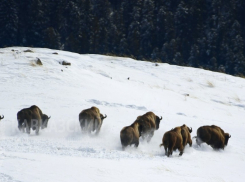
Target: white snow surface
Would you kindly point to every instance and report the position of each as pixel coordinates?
(63, 153)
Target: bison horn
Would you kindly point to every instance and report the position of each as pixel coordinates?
(105, 116)
(161, 118)
(49, 117)
(190, 129)
(229, 136)
(2, 117)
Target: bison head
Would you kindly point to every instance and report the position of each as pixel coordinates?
(45, 119)
(158, 122)
(227, 136)
(189, 129)
(102, 117)
(1, 117)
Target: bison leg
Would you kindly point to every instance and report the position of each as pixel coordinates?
(81, 121)
(218, 145)
(170, 152)
(166, 150)
(185, 142)
(97, 130)
(181, 149)
(37, 127)
(22, 127)
(190, 142)
(136, 144)
(150, 136)
(27, 127)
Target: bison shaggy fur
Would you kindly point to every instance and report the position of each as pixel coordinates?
(172, 140)
(91, 119)
(32, 118)
(149, 123)
(213, 136)
(186, 135)
(176, 138)
(129, 135)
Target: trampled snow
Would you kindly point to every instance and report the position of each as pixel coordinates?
(181, 95)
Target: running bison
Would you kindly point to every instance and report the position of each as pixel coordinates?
(129, 135)
(1, 117)
(91, 120)
(213, 136)
(186, 135)
(149, 123)
(32, 118)
(176, 138)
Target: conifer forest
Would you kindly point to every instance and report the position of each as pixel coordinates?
(205, 34)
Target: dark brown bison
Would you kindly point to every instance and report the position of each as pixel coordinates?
(129, 135)
(176, 138)
(213, 136)
(186, 135)
(172, 140)
(91, 119)
(149, 123)
(1, 117)
(32, 118)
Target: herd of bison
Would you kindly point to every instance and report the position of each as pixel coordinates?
(144, 126)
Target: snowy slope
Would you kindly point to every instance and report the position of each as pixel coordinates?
(62, 153)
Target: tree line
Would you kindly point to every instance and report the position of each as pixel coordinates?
(207, 34)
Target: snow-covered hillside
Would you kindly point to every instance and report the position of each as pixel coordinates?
(63, 153)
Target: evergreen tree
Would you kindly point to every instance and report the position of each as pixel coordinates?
(36, 23)
(147, 38)
(72, 26)
(86, 18)
(100, 26)
(9, 23)
(160, 27)
(52, 38)
(200, 33)
(194, 56)
(134, 31)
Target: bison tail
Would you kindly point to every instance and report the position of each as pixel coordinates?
(194, 137)
(160, 145)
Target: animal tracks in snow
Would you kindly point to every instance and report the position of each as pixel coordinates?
(104, 103)
(6, 178)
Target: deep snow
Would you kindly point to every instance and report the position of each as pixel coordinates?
(63, 153)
